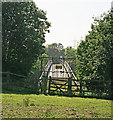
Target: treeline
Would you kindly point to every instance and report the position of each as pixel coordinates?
(58, 50)
(94, 56)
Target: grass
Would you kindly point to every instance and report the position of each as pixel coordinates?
(41, 106)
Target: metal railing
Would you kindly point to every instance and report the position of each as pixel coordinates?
(46, 69)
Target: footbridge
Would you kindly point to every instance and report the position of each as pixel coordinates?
(58, 78)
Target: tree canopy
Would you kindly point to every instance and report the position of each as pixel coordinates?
(55, 50)
(23, 28)
(94, 55)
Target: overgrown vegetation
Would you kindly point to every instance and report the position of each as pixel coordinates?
(40, 106)
(94, 55)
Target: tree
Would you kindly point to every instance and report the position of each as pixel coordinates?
(24, 27)
(95, 54)
(71, 54)
(55, 50)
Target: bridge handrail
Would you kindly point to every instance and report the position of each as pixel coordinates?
(46, 68)
(76, 83)
(69, 69)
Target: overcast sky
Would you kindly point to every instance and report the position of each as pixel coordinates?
(71, 19)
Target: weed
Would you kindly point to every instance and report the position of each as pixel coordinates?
(26, 101)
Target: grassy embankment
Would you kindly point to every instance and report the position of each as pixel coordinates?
(40, 106)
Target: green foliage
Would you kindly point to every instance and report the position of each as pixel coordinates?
(94, 55)
(55, 50)
(41, 106)
(70, 52)
(23, 27)
(32, 81)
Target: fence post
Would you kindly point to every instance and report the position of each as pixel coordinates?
(80, 87)
(36, 86)
(69, 86)
(8, 79)
(49, 84)
(41, 65)
(45, 84)
(41, 87)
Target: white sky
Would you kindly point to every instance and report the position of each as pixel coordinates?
(71, 19)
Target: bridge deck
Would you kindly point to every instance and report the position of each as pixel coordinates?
(58, 73)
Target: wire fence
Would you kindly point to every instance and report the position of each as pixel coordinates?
(33, 84)
(18, 83)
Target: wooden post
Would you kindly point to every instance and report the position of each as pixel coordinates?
(45, 84)
(41, 87)
(69, 86)
(41, 65)
(49, 84)
(8, 79)
(36, 86)
(80, 87)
